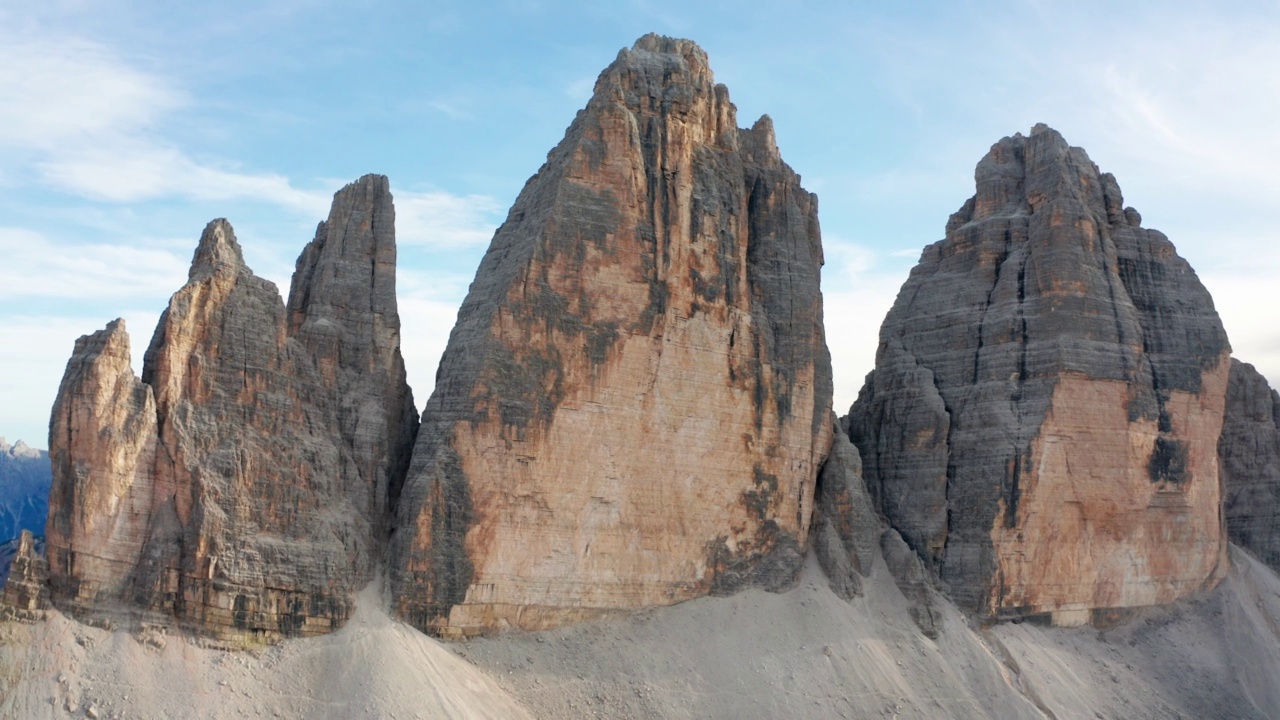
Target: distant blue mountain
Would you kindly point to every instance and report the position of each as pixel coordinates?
(25, 477)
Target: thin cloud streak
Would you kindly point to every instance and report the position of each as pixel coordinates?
(443, 220)
(34, 267)
(87, 123)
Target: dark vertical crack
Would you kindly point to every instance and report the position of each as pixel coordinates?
(995, 284)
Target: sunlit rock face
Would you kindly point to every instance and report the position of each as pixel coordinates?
(634, 403)
(1249, 453)
(1043, 419)
(241, 485)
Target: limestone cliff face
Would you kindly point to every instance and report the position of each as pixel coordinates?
(1042, 422)
(633, 405)
(1249, 454)
(238, 485)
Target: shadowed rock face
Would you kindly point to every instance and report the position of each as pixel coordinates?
(846, 530)
(1043, 419)
(239, 485)
(1249, 452)
(633, 405)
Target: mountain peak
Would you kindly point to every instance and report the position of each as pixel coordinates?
(218, 250)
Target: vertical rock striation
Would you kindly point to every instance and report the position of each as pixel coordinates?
(241, 485)
(1042, 422)
(342, 310)
(1249, 455)
(633, 405)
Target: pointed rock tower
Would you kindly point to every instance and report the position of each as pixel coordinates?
(241, 485)
(1042, 422)
(634, 403)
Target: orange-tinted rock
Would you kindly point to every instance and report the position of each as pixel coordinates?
(241, 485)
(102, 442)
(1042, 422)
(633, 405)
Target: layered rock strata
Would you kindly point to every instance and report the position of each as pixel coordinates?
(1042, 422)
(239, 485)
(1249, 457)
(634, 403)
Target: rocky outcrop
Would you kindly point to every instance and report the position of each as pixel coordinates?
(846, 529)
(1249, 457)
(1042, 422)
(24, 595)
(241, 484)
(913, 582)
(633, 405)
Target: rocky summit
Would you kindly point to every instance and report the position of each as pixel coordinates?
(1042, 422)
(237, 485)
(1249, 456)
(634, 404)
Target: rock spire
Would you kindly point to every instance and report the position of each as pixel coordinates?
(240, 485)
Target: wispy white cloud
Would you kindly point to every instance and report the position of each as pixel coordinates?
(859, 286)
(34, 267)
(428, 308)
(581, 88)
(85, 121)
(69, 91)
(453, 109)
(443, 220)
(134, 170)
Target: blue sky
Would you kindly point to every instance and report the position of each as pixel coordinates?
(126, 126)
